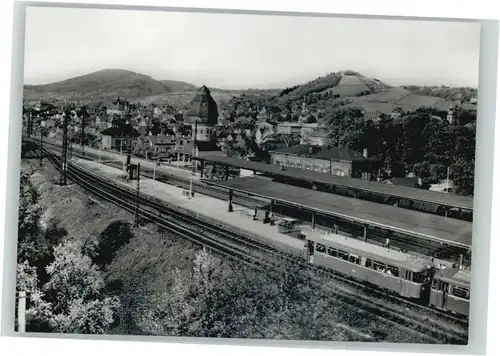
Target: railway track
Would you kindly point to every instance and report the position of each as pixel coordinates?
(220, 193)
(423, 249)
(236, 245)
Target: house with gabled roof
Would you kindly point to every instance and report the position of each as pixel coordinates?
(119, 137)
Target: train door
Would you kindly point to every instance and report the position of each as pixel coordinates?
(406, 277)
(310, 251)
(442, 294)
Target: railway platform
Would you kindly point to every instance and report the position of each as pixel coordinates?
(330, 208)
(117, 157)
(240, 218)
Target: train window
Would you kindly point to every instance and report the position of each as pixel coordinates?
(320, 248)
(419, 277)
(354, 259)
(461, 292)
(408, 275)
(332, 252)
(434, 284)
(343, 255)
(393, 271)
(368, 263)
(379, 266)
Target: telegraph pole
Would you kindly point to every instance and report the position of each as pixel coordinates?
(194, 147)
(64, 155)
(41, 146)
(30, 123)
(84, 114)
(137, 194)
(21, 311)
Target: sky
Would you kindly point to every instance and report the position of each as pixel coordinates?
(240, 51)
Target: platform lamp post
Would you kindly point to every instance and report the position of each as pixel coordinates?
(190, 187)
(83, 134)
(194, 153)
(154, 168)
(100, 150)
(64, 154)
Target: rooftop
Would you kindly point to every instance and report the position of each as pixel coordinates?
(121, 131)
(203, 107)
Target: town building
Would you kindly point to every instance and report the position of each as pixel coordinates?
(264, 132)
(373, 116)
(317, 136)
(203, 115)
(338, 161)
(160, 145)
(451, 114)
(289, 128)
(119, 137)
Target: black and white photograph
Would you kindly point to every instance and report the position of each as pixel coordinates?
(247, 176)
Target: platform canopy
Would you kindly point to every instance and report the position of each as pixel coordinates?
(448, 231)
(414, 194)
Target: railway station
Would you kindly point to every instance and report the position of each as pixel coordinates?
(425, 233)
(364, 219)
(447, 205)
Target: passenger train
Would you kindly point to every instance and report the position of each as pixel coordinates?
(411, 277)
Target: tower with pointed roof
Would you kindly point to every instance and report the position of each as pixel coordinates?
(203, 115)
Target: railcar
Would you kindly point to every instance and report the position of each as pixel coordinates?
(450, 290)
(406, 275)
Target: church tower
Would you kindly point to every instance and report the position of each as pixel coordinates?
(203, 116)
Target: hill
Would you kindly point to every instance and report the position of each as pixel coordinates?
(386, 100)
(177, 86)
(334, 90)
(345, 89)
(101, 84)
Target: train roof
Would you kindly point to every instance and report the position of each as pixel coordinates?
(454, 276)
(378, 253)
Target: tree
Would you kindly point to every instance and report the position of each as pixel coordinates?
(30, 238)
(190, 306)
(38, 313)
(462, 174)
(73, 299)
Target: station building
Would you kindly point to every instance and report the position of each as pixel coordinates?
(338, 161)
